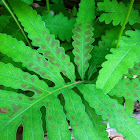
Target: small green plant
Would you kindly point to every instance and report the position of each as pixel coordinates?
(80, 80)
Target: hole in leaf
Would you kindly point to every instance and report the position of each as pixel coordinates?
(62, 102)
(46, 59)
(19, 134)
(26, 93)
(29, 93)
(36, 48)
(4, 110)
(65, 78)
(49, 82)
(43, 118)
(41, 53)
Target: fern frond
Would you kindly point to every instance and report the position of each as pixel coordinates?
(42, 38)
(30, 59)
(127, 89)
(109, 109)
(19, 112)
(59, 25)
(83, 35)
(116, 12)
(96, 120)
(26, 111)
(56, 123)
(17, 79)
(79, 120)
(120, 61)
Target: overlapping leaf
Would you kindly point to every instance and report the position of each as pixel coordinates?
(96, 120)
(99, 53)
(135, 70)
(42, 38)
(13, 30)
(120, 61)
(60, 26)
(29, 58)
(4, 20)
(83, 35)
(27, 111)
(79, 120)
(24, 109)
(127, 89)
(17, 79)
(111, 110)
(116, 12)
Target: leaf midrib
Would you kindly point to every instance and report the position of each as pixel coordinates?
(112, 70)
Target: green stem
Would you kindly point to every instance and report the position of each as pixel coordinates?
(124, 23)
(48, 7)
(10, 11)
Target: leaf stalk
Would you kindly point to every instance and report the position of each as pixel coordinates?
(13, 16)
(124, 23)
(48, 6)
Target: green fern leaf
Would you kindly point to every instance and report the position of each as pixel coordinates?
(135, 70)
(57, 8)
(96, 120)
(83, 35)
(42, 38)
(18, 106)
(4, 20)
(116, 11)
(79, 120)
(26, 111)
(119, 62)
(127, 89)
(109, 109)
(56, 123)
(60, 26)
(67, 46)
(30, 59)
(17, 79)
(99, 53)
(13, 30)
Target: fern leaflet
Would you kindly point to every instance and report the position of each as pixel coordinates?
(60, 26)
(119, 62)
(116, 11)
(127, 89)
(83, 35)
